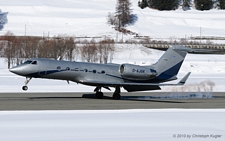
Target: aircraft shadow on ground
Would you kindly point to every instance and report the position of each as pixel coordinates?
(166, 98)
(134, 98)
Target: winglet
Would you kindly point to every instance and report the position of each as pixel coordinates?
(184, 79)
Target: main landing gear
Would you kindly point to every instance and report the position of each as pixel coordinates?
(26, 82)
(99, 94)
(116, 94)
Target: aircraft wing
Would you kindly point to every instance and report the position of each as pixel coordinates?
(113, 84)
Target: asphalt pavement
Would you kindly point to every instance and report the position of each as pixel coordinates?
(87, 101)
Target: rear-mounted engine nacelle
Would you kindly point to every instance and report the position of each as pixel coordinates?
(135, 72)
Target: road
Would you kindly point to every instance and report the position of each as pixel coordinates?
(87, 101)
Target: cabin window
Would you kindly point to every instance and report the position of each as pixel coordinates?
(27, 62)
(85, 70)
(76, 69)
(67, 68)
(58, 68)
(122, 68)
(103, 72)
(34, 63)
(94, 71)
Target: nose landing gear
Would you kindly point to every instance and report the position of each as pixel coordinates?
(26, 82)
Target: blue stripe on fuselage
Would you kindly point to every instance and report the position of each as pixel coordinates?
(164, 76)
(43, 73)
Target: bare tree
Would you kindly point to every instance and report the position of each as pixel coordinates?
(32, 46)
(45, 49)
(106, 49)
(89, 51)
(70, 48)
(2, 46)
(9, 50)
(18, 48)
(59, 47)
(111, 19)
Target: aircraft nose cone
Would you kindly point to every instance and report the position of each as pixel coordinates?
(13, 70)
(16, 70)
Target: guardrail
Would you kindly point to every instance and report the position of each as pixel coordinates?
(199, 49)
(165, 46)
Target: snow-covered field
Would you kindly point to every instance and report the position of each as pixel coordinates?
(120, 125)
(88, 18)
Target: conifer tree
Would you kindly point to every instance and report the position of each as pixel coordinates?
(164, 4)
(123, 13)
(221, 4)
(143, 4)
(203, 4)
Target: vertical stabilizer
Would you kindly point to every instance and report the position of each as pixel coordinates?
(169, 64)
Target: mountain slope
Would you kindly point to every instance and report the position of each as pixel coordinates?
(88, 18)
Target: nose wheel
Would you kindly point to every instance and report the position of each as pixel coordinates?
(25, 88)
(26, 82)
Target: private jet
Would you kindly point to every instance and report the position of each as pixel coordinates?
(128, 76)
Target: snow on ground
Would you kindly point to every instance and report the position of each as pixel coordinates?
(88, 18)
(71, 17)
(111, 125)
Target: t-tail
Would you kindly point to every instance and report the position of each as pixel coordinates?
(169, 64)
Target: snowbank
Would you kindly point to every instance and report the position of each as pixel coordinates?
(145, 125)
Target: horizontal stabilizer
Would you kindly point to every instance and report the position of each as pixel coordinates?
(197, 50)
(183, 80)
(206, 51)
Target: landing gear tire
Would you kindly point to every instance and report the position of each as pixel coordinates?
(26, 82)
(99, 95)
(116, 96)
(25, 88)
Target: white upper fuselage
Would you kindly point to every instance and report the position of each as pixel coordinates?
(72, 71)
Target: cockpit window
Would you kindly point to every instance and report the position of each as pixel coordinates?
(27, 62)
(34, 63)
